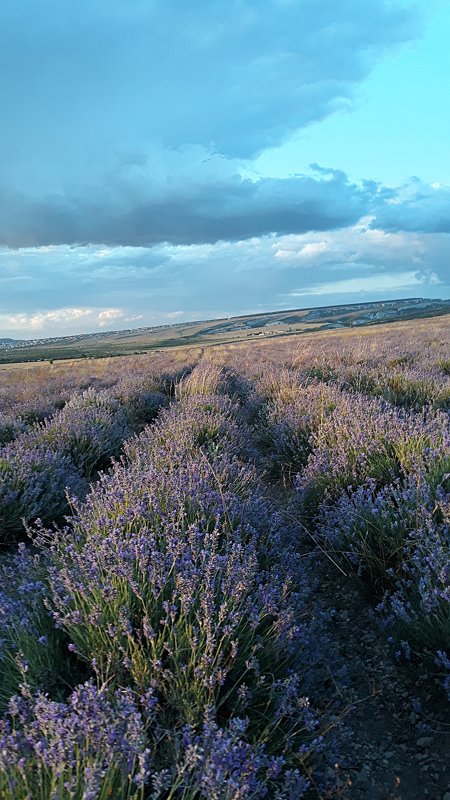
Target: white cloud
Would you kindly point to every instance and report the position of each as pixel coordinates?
(313, 249)
(381, 283)
(104, 252)
(60, 321)
(308, 251)
(133, 318)
(40, 320)
(109, 315)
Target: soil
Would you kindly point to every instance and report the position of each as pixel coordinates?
(396, 743)
(393, 751)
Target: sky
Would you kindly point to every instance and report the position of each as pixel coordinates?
(164, 160)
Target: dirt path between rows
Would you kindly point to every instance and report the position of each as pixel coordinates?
(396, 742)
(398, 747)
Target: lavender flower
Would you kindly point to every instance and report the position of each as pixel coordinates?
(93, 746)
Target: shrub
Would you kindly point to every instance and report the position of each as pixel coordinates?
(33, 482)
(352, 444)
(369, 528)
(219, 764)
(207, 423)
(170, 594)
(366, 439)
(10, 427)
(92, 747)
(417, 608)
(89, 433)
(32, 649)
(398, 540)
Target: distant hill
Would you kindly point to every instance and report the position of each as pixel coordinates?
(288, 322)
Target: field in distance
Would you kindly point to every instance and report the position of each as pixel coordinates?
(222, 331)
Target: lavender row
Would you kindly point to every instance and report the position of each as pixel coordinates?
(372, 482)
(409, 366)
(397, 539)
(33, 395)
(67, 449)
(174, 583)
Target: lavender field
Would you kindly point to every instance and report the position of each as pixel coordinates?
(225, 572)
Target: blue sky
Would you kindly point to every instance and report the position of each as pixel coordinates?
(163, 160)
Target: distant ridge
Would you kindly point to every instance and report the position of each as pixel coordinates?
(286, 322)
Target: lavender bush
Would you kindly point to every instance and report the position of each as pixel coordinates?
(287, 424)
(398, 540)
(59, 455)
(364, 438)
(89, 429)
(32, 649)
(10, 427)
(158, 583)
(91, 748)
(417, 608)
(218, 764)
(33, 483)
(208, 425)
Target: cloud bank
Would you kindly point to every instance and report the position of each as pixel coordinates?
(128, 188)
(165, 284)
(131, 122)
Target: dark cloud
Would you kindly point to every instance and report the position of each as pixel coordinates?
(113, 113)
(417, 207)
(241, 74)
(225, 208)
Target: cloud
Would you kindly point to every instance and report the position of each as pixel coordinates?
(109, 315)
(133, 318)
(381, 284)
(188, 212)
(186, 282)
(417, 206)
(39, 320)
(176, 72)
(132, 123)
(59, 321)
(307, 251)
